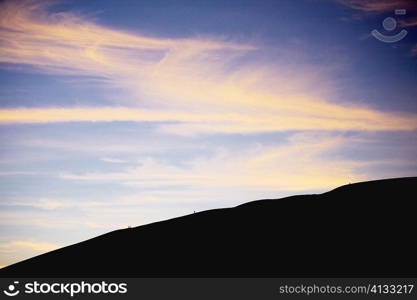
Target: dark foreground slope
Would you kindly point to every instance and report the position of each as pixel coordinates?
(363, 229)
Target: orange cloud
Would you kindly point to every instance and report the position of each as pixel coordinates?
(378, 5)
(15, 250)
(180, 80)
(317, 116)
(381, 6)
(36, 246)
(298, 165)
(66, 43)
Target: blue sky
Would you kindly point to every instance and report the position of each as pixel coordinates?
(117, 113)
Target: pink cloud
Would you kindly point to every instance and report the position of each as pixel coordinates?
(378, 5)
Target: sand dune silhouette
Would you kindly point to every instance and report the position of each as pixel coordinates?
(362, 229)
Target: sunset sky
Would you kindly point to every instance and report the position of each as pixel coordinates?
(117, 113)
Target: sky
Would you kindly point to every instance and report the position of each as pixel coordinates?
(121, 113)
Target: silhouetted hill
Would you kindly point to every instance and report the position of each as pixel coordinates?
(362, 229)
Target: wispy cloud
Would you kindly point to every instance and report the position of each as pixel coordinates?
(46, 220)
(59, 204)
(383, 6)
(14, 250)
(201, 85)
(113, 160)
(411, 22)
(37, 246)
(378, 5)
(298, 165)
(185, 81)
(287, 116)
(66, 43)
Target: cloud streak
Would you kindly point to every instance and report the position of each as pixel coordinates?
(18, 249)
(199, 85)
(321, 117)
(297, 165)
(37, 246)
(65, 43)
(185, 81)
(377, 5)
(382, 6)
